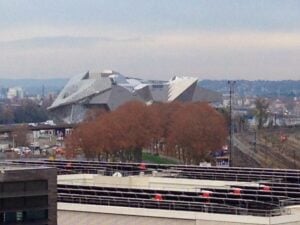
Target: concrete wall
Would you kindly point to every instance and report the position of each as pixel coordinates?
(82, 218)
(80, 214)
(85, 218)
(146, 182)
(295, 209)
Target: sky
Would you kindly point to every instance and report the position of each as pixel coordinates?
(154, 39)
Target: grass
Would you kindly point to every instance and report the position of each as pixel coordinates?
(150, 158)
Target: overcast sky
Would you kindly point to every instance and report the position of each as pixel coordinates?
(209, 39)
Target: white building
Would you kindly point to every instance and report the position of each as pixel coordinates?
(15, 92)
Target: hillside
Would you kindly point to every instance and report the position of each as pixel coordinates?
(267, 88)
(34, 86)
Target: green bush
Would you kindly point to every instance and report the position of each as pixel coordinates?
(150, 158)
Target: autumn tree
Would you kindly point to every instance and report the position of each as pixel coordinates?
(20, 136)
(138, 126)
(72, 145)
(88, 137)
(110, 136)
(83, 138)
(163, 113)
(157, 128)
(196, 131)
(190, 131)
(94, 113)
(122, 133)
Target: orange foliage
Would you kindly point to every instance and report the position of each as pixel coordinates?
(190, 131)
(197, 129)
(138, 123)
(138, 127)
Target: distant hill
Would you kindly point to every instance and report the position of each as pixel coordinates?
(287, 88)
(35, 86)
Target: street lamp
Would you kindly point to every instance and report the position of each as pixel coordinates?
(231, 91)
(254, 141)
(13, 140)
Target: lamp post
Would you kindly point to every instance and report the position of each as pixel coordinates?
(254, 141)
(294, 156)
(231, 91)
(13, 140)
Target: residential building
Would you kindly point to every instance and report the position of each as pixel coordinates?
(15, 92)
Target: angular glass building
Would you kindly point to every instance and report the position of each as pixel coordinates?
(110, 89)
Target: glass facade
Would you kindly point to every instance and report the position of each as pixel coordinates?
(23, 216)
(24, 201)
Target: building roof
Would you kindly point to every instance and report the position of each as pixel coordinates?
(261, 193)
(112, 89)
(14, 167)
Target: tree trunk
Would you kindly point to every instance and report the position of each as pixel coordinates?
(137, 152)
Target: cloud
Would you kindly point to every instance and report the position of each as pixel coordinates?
(85, 36)
(62, 41)
(65, 51)
(235, 40)
(18, 32)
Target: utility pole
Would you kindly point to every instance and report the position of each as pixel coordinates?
(231, 146)
(254, 141)
(43, 92)
(13, 140)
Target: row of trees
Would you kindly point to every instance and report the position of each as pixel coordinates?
(189, 132)
(24, 111)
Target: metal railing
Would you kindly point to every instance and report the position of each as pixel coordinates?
(168, 205)
(289, 202)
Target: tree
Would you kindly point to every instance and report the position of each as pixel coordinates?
(29, 111)
(163, 113)
(94, 113)
(138, 126)
(83, 139)
(72, 144)
(196, 131)
(110, 137)
(20, 136)
(189, 131)
(122, 133)
(155, 111)
(24, 111)
(6, 114)
(261, 111)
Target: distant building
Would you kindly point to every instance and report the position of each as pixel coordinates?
(28, 195)
(109, 89)
(15, 92)
(3, 93)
